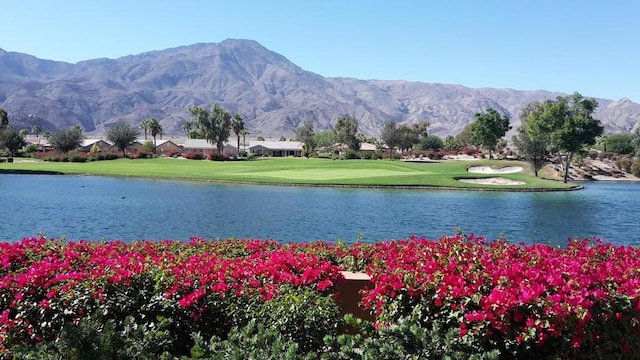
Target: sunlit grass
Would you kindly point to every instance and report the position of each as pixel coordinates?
(301, 171)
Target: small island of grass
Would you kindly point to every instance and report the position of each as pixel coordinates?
(308, 172)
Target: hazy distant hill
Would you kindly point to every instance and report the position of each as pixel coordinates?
(272, 94)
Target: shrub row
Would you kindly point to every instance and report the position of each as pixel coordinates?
(456, 297)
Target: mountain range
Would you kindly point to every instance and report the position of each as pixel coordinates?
(272, 94)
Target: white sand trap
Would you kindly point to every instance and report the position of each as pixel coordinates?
(489, 170)
(493, 181)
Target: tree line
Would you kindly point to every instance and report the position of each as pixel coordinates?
(552, 129)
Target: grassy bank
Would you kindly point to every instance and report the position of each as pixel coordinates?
(301, 171)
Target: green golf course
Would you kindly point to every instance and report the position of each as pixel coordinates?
(302, 171)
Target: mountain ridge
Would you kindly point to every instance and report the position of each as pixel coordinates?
(271, 93)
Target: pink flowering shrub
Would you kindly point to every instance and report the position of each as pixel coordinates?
(202, 286)
(527, 302)
(523, 300)
(194, 155)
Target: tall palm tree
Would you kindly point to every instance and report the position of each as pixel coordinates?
(244, 134)
(187, 126)
(36, 130)
(237, 125)
(144, 124)
(154, 128)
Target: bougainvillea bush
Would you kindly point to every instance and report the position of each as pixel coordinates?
(193, 287)
(534, 301)
(456, 297)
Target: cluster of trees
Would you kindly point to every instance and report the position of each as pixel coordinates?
(624, 143)
(10, 138)
(559, 128)
(345, 132)
(403, 137)
(215, 125)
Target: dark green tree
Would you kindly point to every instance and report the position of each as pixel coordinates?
(620, 143)
(568, 125)
(346, 132)
(532, 149)
(122, 135)
(488, 128)
(11, 139)
(214, 125)
(431, 142)
(410, 135)
(305, 134)
(237, 125)
(4, 118)
(390, 135)
(66, 140)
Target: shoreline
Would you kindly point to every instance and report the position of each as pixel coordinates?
(337, 186)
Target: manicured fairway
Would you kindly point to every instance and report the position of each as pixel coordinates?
(301, 171)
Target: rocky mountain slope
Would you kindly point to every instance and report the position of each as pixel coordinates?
(272, 94)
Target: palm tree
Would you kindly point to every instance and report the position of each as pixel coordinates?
(36, 130)
(244, 134)
(237, 124)
(187, 126)
(24, 132)
(154, 128)
(144, 124)
(46, 135)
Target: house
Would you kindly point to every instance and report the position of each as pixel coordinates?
(41, 142)
(367, 147)
(364, 147)
(167, 148)
(276, 148)
(87, 144)
(204, 146)
(133, 148)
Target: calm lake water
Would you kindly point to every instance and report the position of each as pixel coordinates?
(94, 208)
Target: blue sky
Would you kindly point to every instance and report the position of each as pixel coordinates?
(558, 45)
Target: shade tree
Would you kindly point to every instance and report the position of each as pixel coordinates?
(346, 132)
(214, 124)
(66, 140)
(488, 128)
(566, 124)
(431, 142)
(306, 134)
(390, 135)
(619, 143)
(11, 139)
(122, 135)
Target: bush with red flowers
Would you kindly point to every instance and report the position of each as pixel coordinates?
(454, 297)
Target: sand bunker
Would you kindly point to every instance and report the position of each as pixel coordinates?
(489, 170)
(493, 181)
